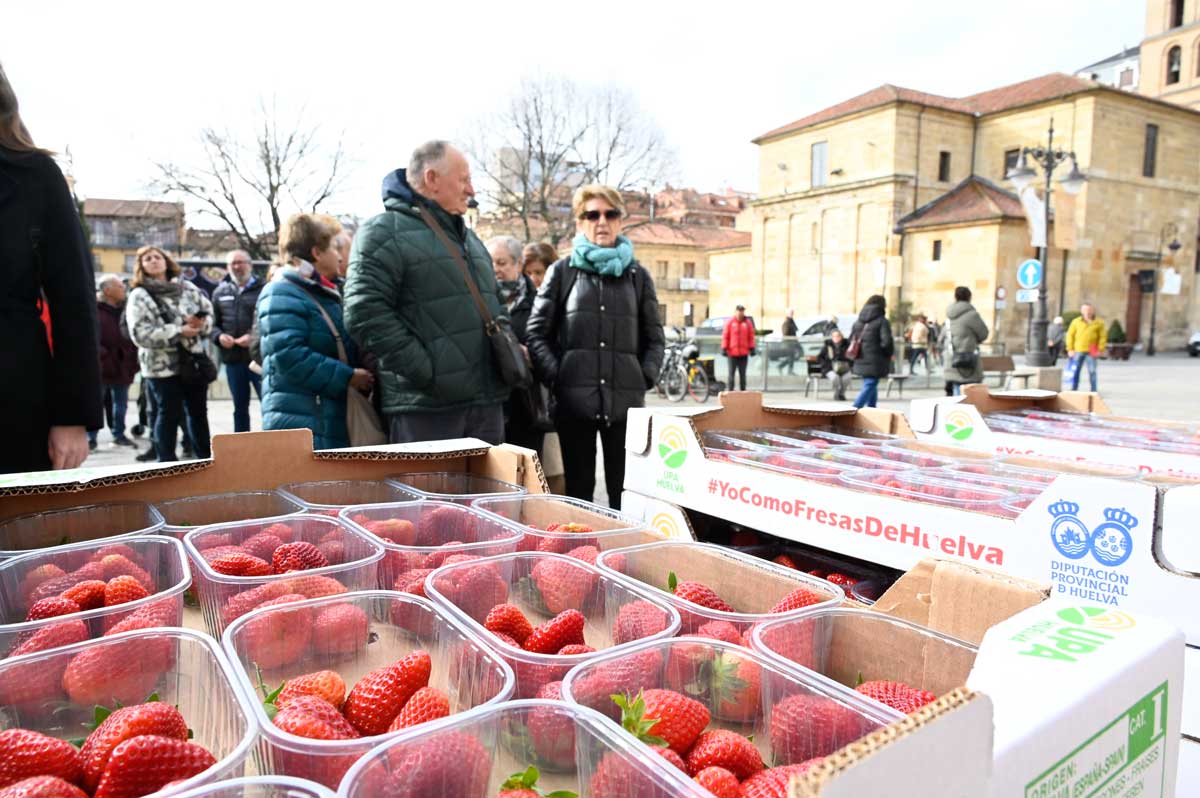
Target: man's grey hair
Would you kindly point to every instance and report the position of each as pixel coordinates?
(229, 258)
(109, 278)
(428, 156)
(515, 247)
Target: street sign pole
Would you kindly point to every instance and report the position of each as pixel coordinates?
(1038, 353)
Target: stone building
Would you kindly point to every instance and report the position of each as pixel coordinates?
(1170, 53)
(903, 193)
(119, 227)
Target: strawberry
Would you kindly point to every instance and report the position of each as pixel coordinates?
(238, 605)
(158, 613)
(380, 695)
(503, 638)
(43, 573)
(314, 718)
(42, 787)
(407, 616)
(214, 541)
(39, 681)
(800, 597)
(440, 556)
(142, 765)
(727, 749)
(326, 685)
(897, 695)
(340, 629)
(123, 724)
(551, 731)
(736, 683)
(121, 549)
(720, 630)
(122, 590)
(51, 608)
(561, 630)
(626, 675)
(616, 776)
(118, 673)
(804, 726)
(314, 586)
(115, 565)
(562, 584)
(88, 594)
(412, 581)
(672, 757)
(396, 530)
(786, 561)
(428, 703)
(719, 781)
(278, 637)
(444, 522)
(575, 648)
(25, 753)
(698, 593)
(299, 556)
(217, 552)
(334, 551)
(261, 545)
(239, 564)
(663, 717)
(636, 620)
(587, 554)
(508, 619)
(744, 537)
(452, 763)
(524, 785)
(474, 589)
(773, 782)
(51, 588)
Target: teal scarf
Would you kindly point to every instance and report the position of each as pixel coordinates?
(605, 261)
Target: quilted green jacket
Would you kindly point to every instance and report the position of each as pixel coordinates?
(407, 304)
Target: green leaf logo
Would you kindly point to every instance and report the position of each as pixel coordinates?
(672, 447)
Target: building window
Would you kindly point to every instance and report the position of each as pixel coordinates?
(1176, 13)
(820, 164)
(1174, 64)
(1150, 156)
(660, 271)
(689, 270)
(944, 166)
(937, 249)
(1010, 160)
(1126, 79)
(662, 313)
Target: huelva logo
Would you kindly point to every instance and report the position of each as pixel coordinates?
(665, 525)
(672, 447)
(959, 425)
(1073, 633)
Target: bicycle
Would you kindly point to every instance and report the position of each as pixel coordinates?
(681, 374)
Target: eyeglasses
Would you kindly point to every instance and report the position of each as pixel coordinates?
(612, 214)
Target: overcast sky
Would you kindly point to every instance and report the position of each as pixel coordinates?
(123, 83)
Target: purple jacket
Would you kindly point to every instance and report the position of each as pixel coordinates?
(118, 355)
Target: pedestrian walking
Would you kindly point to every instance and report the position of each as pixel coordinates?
(168, 317)
(595, 336)
(118, 358)
(536, 258)
(1087, 339)
(966, 330)
(408, 302)
(834, 364)
(1056, 335)
(50, 358)
(234, 301)
(791, 347)
(737, 345)
(918, 339)
(873, 334)
(516, 292)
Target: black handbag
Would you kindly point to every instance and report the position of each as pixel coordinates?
(964, 361)
(506, 349)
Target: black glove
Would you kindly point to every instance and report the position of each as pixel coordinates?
(753, 352)
(724, 353)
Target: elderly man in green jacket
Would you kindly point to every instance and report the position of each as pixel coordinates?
(408, 304)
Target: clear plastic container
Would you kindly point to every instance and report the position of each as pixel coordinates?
(821, 438)
(328, 497)
(420, 535)
(1011, 484)
(454, 487)
(867, 591)
(157, 560)
(184, 668)
(949, 455)
(543, 585)
(849, 646)
(471, 755)
(913, 486)
(792, 715)
(879, 458)
(51, 528)
(750, 584)
(589, 524)
(1035, 476)
(751, 440)
(1064, 466)
(185, 514)
(795, 465)
(223, 598)
(393, 625)
(259, 787)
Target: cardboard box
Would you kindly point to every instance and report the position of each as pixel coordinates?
(1095, 540)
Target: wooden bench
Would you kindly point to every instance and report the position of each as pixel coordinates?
(1003, 367)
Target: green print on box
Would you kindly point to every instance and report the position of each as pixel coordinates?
(1073, 633)
(672, 447)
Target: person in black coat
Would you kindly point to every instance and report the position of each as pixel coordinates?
(234, 300)
(51, 394)
(833, 363)
(516, 293)
(595, 337)
(874, 336)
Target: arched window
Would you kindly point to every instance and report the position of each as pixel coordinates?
(1174, 64)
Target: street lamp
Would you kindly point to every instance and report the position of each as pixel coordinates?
(1022, 176)
(1169, 230)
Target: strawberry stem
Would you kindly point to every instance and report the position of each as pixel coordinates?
(672, 581)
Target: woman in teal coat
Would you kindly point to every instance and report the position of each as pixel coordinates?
(304, 379)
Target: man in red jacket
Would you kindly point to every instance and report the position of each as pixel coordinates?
(737, 344)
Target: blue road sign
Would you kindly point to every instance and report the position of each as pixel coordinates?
(1029, 273)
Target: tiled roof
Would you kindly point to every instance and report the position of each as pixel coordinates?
(973, 200)
(1046, 87)
(691, 235)
(142, 209)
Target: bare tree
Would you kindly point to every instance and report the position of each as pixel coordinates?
(247, 179)
(552, 136)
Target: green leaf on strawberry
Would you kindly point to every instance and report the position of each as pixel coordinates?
(633, 718)
(527, 780)
(269, 696)
(672, 581)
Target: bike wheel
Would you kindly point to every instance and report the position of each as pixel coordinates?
(698, 384)
(676, 384)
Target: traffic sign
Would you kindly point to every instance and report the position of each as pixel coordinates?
(1029, 273)
(1027, 294)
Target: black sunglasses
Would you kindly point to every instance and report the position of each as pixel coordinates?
(612, 214)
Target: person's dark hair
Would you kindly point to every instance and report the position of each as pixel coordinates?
(876, 299)
(13, 133)
(301, 233)
(962, 294)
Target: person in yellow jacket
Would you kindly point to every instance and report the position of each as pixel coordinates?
(1087, 338)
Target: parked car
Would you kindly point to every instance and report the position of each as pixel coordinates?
(1193, 346)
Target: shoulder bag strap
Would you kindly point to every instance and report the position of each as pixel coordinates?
(462, 266)
(337, 337)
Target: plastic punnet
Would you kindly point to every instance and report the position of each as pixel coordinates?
(51, 528)
(450, 486)
(914, 486)
(328, 497)
(581, 523)
(615, 611)
(185, 514)
(1012, 483)
(352, 634)
(795, 465)
(259, 787)
(820, 438)
(875, 457)
(354, 558)
(949, 455)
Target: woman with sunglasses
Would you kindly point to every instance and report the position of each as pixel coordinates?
(596, 339)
